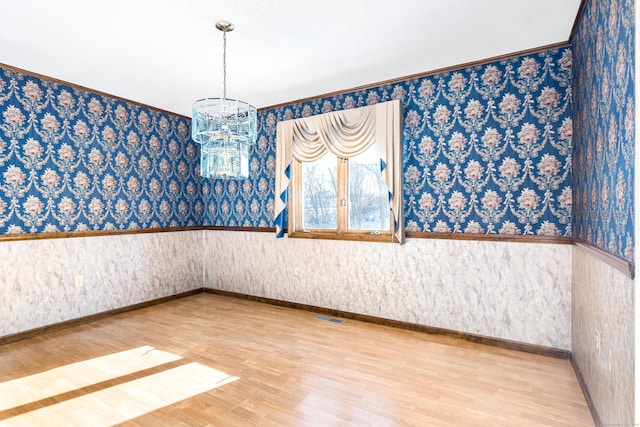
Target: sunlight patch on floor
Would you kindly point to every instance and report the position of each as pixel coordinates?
(128, 400)
(62, 379)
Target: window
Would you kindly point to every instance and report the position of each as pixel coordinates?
(339, 175)
(319, 195)
(368, 196)
(341, 196)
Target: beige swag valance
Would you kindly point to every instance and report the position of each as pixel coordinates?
(345, 133)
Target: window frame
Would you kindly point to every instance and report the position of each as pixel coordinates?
(346, 133)
(342, 231)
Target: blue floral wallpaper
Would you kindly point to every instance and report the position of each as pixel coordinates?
(604, 126)
(487, 150)
(73, 160)
(248, 202)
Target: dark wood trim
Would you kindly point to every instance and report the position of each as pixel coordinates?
(479, 339)
(410, 235)
(91, 318)
(414, 235)
(576, 22)
(424, 74)
(621, 264)
(490, 237)
(93, 233)
(97, 92)
(585, 391)
(252, 229)
(385, 237)
(326, 95)
(625, 266)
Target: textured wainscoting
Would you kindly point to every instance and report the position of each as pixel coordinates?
(37, 277)
(603, 336)
(506, 290)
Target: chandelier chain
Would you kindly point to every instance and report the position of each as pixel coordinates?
(224, 64)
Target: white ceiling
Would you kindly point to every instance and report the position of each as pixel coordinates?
(167, 53)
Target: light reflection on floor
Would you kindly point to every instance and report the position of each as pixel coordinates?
(114, 404)
(62, 379)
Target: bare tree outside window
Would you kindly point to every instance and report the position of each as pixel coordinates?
(367, 200)
(368, 195)
(320, 193)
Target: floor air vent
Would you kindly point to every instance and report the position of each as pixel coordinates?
(329, 319)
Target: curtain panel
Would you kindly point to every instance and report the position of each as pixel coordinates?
(346, 134)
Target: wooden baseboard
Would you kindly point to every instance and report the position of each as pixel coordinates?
(479, 339)
(585, 392)
(92, 317)
(496, 342)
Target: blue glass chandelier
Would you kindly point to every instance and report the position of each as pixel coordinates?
(225, 128)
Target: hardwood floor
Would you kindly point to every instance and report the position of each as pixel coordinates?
(219, 361)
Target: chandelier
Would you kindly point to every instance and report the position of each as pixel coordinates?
(225, 128)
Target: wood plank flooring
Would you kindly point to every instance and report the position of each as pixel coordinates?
(210, 360)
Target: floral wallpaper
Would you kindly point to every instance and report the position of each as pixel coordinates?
(604, 126)
(248, 202)
(73, 160)
(487, 150)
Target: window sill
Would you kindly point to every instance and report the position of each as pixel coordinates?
(360, 237)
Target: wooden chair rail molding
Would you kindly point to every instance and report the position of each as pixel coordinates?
(251, 229)
(90, 233)
(490, 237)
(623, 265)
